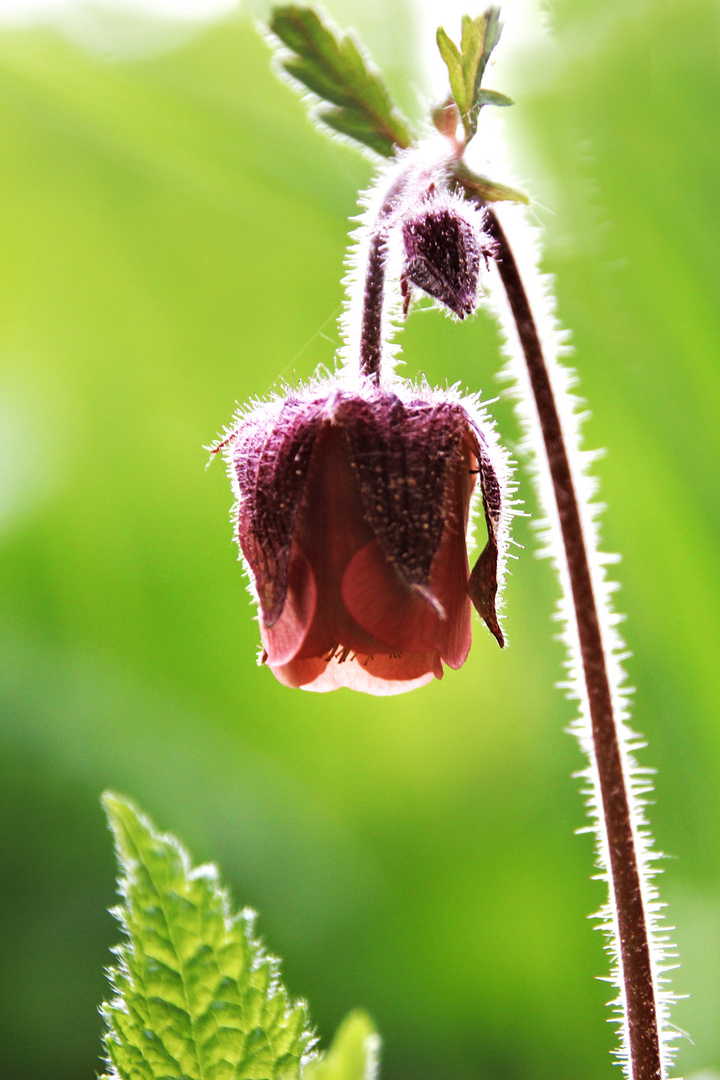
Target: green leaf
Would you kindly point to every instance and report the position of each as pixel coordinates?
(196, 996)
(488, 190)
(492, 97)
(466, 65)
(353, 1054)
(453, 61)
(354, 100)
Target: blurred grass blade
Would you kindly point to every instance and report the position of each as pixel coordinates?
(466, 65)
(354, 100)
(353, 1054)
(196, 996)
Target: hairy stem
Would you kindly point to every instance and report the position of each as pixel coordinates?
(408, 181)
(372, 338)
(371, 333)
(624, 872)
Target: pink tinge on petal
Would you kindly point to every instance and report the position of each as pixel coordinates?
(284, 640)
(386, 607)
(362, 674)
(300, 673)
(405, 665)
(379, 675)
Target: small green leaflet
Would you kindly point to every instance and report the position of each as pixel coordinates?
(354, 100)
(486, 189)
(196, 998)
(466, 65)
(353, 1054)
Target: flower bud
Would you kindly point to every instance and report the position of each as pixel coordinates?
(443, 244)
(352, 512)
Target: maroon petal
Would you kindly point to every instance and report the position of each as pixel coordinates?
(450, 572)
(299, 673)
(382, 676)
(408, 666)
(403, 454)
(269, 456)
(449, 584)
(331, 528)
(386, 607)
(284, 639)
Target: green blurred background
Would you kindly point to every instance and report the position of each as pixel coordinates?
(172, 231)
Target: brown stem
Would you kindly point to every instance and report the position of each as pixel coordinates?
(636, 968)
(372, 313)
(373, 304)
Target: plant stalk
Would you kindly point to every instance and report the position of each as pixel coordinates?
(403, 186)
(371, 333)
(624, 872)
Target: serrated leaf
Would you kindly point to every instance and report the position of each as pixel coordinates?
(196, 998)
(466, 65)
(353, 1054)
(335, 70)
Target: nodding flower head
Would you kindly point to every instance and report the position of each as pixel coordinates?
(352, 512)
(443, 244)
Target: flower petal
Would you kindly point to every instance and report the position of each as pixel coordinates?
(382, 676)
(403, 454)
(299, 673)
(451, 570)
(330, 529)
(386, 607)
(283, 640)
(404, 667)
(268, 456)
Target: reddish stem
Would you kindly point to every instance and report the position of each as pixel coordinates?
(371, 337)
(636, 967)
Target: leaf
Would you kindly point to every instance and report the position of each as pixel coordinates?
(354, 100)
(479, 38)
(353, 1054)
(484, 188)
(492, 97)
(466, 65)
(453, 61)
(196, 996)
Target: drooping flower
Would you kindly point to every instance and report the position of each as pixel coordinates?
(443, 242)
(352, 514)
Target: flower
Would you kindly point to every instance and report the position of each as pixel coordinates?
(443, 242)
(352, 512)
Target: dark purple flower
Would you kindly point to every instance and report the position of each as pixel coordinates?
(352, 513)
(443, 247)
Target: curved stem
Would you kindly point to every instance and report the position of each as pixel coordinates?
(624, 872)
(373, 301)
(411, 176)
